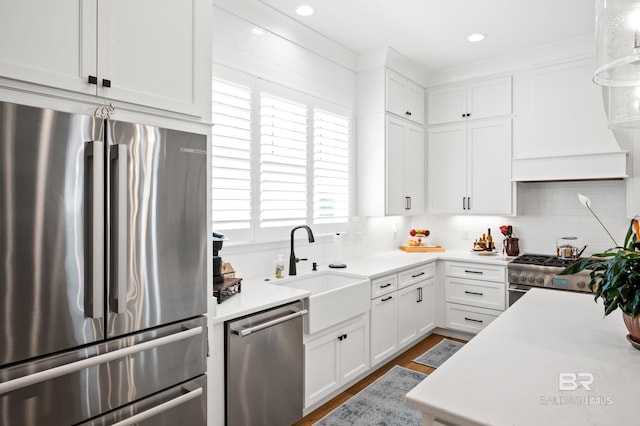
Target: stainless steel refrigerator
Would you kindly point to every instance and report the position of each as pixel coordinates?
(103, 241)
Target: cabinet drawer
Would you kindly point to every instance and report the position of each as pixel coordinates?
(468, 318)
(476, 271)
(484, 294)
(414, 275)
(384, 285)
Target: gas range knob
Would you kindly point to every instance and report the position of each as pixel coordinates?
(540, 279)
(514, 277)
(523, 278)
(531, 279)
(581, 284)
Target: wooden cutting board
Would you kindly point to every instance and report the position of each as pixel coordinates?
(432, 247)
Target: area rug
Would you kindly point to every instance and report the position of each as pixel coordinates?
(438, 354)
(380, 403)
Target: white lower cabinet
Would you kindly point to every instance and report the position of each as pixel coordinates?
(475, 295)
(403, 311)
(335, 357)
(384, 327)
(416, 311)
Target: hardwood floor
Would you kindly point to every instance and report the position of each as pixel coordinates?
(405, 360)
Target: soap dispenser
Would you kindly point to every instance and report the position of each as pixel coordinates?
(280, 266)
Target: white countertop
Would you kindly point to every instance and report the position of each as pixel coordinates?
(509, 373)
(258, 294)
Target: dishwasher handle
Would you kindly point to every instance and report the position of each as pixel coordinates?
(246, 331)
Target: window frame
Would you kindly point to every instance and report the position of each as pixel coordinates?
(257, 86)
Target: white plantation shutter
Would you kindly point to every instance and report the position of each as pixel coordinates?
(283, 162)
(330, 167)
(231, 156)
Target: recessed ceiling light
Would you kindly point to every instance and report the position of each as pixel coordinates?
(304, 10)
(257, 31)
(476, 37)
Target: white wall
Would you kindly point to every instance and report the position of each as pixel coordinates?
(546, 211)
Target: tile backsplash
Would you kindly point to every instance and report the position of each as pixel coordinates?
(546, 211)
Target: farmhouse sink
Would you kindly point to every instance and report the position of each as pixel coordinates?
(334, 298)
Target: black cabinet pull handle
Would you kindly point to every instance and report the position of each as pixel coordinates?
(386, 285)
(345, 336)
(407, 203)
(473, 292)
(468, 203)
(473, 320)
(93, 79)
(419, 295)
(464, 204)
(386, 298)
(106, 83)
(473, 272)
(408, 113)
(417, 275)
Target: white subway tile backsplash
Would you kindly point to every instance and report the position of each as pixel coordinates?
(546, 211)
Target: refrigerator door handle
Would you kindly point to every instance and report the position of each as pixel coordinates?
(161, 408)
(121, 215)
(95, 150)
(65, 369)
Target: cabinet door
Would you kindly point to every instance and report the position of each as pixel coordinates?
(415, 102)
(426, 308)
(395, 93)
(489, 98)
(354, 350)
(383, 328)
(414, 165)
(56, 48)
(322, 370)
(149, 50)
(446, 169)
(446, 105)
(489, 154)
(407, 304)
(395, 192)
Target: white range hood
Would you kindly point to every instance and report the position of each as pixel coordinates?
(609, 165)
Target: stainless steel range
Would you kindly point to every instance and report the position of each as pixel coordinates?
(539, 270)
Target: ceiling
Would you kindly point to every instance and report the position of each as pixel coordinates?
(433, 33)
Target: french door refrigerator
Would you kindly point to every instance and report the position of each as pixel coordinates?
(103, 241)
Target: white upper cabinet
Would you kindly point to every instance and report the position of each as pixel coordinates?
(469, 168)
(391, 146)
(391, 172)
(470, 101)
(57, 46)
(404, 97)
(145, 52)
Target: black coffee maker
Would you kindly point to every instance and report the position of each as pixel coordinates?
(217, 261)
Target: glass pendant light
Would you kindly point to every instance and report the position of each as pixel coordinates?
(617, 43)
(618, 60)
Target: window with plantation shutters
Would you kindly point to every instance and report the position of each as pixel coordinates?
(330, 167)
(231, 156)
(283, 162)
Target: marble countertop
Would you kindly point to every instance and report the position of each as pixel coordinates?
(521, 369)
(258, 294)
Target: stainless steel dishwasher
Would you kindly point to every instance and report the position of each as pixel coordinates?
(264, 374)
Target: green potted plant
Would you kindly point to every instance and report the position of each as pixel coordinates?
(615, 276)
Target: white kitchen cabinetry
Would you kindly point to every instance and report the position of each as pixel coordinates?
(469, 168)
(475, 294)
(146, 52)
(414, 318)
(401, 313)
(335, 358)
(470, 101)
(390, 167)
(404, 97)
